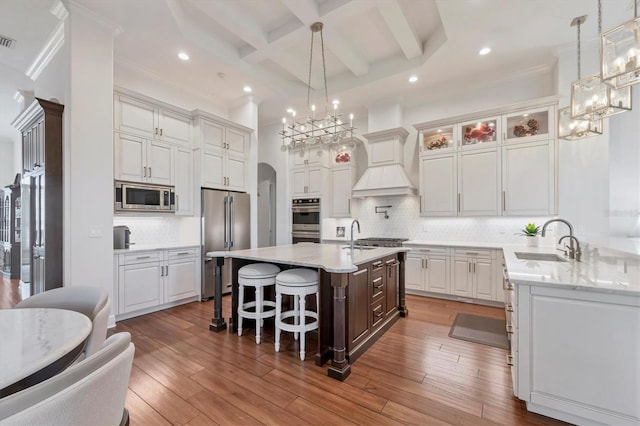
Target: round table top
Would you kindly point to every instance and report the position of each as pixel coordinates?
(32, 339)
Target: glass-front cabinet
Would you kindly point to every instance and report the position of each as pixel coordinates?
(482, 132)
(438, 140)
(529, 125)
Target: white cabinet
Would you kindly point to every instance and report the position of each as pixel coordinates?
(528, 178)
(473, 274)
(142, 160)
(184, 181)
(438, 185)
(529, 125)
(309, 180)
(479, 182)
(146, 119)
(223, 155)
(342, 181)
(427, 269)
(149, 280)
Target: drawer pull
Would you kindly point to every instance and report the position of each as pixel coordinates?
(377, 264)
(143, 257)
(509, 329)
(379, 315)
(472, 252)
(509, 307)
(510, 360)
(360, 272)
(182, 253)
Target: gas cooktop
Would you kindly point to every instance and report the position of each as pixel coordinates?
(380, 241)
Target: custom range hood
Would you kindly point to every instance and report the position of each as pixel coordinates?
(385, 175)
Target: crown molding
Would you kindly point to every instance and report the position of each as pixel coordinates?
(48, 51)
(382, 135)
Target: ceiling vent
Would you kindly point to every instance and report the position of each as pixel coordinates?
(7, 42)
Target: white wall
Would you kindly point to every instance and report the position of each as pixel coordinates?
(7, 169)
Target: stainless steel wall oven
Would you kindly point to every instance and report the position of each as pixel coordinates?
(305, 213)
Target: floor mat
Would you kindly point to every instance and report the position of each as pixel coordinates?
(483, 330)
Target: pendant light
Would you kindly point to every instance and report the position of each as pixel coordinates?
(620, 53)
(591, 98)
(570, 128)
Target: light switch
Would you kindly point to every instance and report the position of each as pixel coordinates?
(95, 231)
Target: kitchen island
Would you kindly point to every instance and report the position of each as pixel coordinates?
(361, 294)
(575, 334)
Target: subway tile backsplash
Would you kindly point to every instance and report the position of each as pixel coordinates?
(405, 222)
(161, 230)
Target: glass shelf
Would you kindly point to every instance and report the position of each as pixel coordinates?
(479, 132)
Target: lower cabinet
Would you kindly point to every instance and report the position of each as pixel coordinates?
(474, 274)
(147, 280)
(358, 305)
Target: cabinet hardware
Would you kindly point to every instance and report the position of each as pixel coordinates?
(469, 267)
(379, 315)
(509, 329)
(362, 271)
(472, 252)
(426, 263)
(503, 199)
(377, 264)
(182, 253)
(161, 271)
(474, 267)
(160, 132)
(510, 360)
(143, 257)
(166, 271)
(509, 307)
(149, 171)
(156, 131)
(421, 199)
(145, 171)
(458, 202)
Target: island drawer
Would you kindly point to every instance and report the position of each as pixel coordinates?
(377, 312)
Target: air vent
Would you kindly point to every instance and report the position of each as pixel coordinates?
(7, 42)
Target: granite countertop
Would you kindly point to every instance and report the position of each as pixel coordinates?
(157, 246)
(330, 257)
(607, 274)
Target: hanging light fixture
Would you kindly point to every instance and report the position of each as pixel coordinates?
(570, 128)
(591, 98)
(620, 53)
(329, 129)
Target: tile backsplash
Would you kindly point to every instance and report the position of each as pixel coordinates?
(405, 222)
(161, 230)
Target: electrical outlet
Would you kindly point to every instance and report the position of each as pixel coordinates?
(339, 231)
(95, 231)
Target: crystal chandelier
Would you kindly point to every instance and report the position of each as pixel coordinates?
(620, 53)
(570, 128)
(591, 98)
(327, 129)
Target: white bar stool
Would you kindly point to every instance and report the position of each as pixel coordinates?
(298, 283)
(258, 275)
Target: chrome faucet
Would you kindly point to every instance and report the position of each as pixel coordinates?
(355, 222)
(572, 250)
(573, 254)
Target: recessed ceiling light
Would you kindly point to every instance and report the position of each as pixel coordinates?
(183, 56)
(413, 79)
(336, 102)
(290, 110)
(247, 89)
(484, 51)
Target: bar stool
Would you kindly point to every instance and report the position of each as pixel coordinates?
(298, 283)
(258, 275)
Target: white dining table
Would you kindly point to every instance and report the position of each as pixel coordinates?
(36, 344)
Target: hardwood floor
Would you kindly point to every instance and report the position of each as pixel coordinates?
(9, 292)
(415, 374)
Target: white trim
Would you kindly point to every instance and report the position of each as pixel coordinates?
(51, 47)
(59, 11)
(18, 97)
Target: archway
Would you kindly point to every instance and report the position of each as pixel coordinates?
(266, 205)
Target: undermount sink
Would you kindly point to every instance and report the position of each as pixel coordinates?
(360, 247)
(547, 257)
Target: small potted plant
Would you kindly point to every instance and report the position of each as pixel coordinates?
(531, 231)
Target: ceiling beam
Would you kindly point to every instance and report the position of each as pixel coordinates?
(397, 22)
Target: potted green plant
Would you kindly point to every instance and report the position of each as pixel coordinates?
(531, 231)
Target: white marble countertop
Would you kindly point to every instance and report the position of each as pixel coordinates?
(330, 257)
(35, 338)
(607, 274)
(157, 246)
(454, 244)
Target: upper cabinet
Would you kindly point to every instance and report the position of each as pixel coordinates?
(501, 165)
(224, 149)
(151, 121)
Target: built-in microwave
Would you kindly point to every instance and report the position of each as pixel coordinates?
(141, 197)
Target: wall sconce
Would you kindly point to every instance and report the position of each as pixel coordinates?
(386, 215)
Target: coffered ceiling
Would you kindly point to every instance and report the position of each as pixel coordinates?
(372, 46)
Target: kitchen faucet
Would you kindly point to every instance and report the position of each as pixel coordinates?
(573, 254)
(572, 250)
(355, 222)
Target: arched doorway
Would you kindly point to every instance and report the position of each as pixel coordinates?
(266, 205)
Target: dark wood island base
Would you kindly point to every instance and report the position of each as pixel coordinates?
(356, 308)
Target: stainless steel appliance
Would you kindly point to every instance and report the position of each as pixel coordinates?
(121, 237)
(142, 197)
(380, 242)
(225, 226)
(305, 214)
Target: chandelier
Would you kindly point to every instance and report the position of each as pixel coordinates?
(591, 98)
(327, 129)
(620, 53)
(570, 128)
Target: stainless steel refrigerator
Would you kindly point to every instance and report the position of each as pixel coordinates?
(225, 226)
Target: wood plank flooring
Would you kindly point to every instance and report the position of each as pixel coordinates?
(415, 374)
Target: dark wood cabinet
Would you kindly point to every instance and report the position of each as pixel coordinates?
(10, 226)
(392, 266)
(358, 299)
(42, 196)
